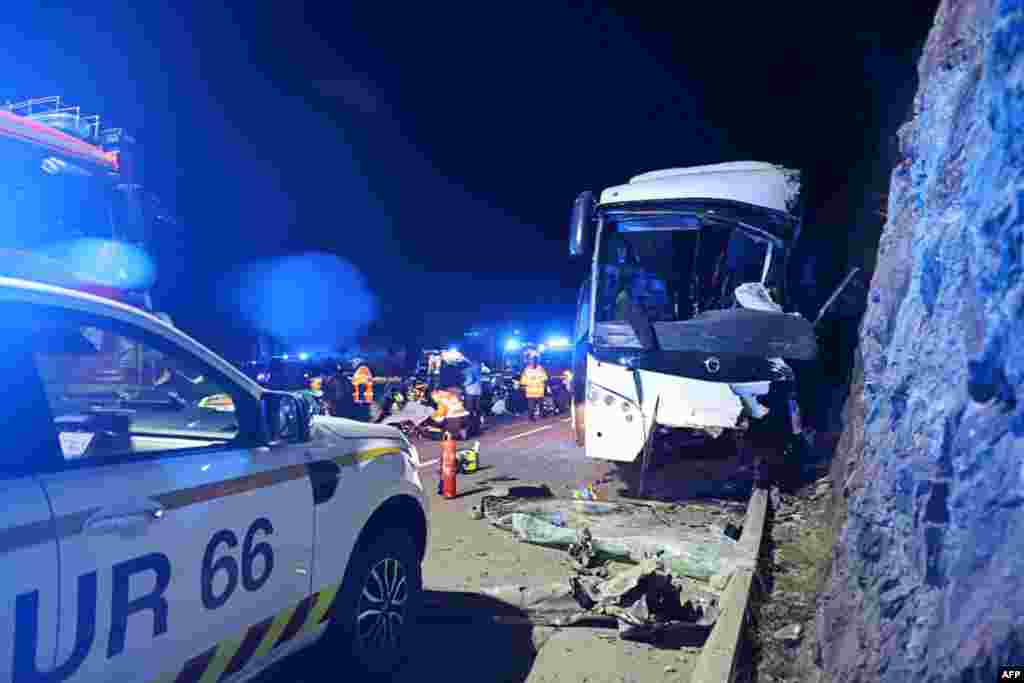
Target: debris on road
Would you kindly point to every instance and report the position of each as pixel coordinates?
(790, 634)
(643, 601)
(680, 562)
(597, 531)
(593, 491)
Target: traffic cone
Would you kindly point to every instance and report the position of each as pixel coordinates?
(449, 466)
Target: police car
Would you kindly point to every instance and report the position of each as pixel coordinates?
(168, 519)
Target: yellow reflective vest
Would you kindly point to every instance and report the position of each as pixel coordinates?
(449, 406)
(534, 379)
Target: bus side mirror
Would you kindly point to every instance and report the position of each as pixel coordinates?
(581, 228)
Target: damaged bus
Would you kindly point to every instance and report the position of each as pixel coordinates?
(682, 332)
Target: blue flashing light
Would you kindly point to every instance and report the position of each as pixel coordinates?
(284, 357)
(558, 343)
(513, 345)
(453, 349)
(106, 262)
(303, 356)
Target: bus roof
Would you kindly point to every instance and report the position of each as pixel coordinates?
(754, 183)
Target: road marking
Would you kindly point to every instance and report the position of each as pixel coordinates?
(519, 436)
(428, 463)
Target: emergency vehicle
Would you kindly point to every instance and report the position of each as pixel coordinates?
(74, 213)
(193, 527)
(74, 197)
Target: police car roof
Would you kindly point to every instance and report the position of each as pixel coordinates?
(27, 291)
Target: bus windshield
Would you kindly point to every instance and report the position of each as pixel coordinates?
(675, 274)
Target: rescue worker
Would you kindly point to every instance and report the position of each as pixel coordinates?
(534, 381)
(564, 397)
(434, 371)
(451, 417)
(316, 390)
(397, 401)
(336, 391)
(473, 389)
(451, 412)
(362, 378)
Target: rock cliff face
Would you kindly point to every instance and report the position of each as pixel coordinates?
(927, 581)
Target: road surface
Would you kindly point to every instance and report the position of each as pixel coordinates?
(515, 448)
(457, 641)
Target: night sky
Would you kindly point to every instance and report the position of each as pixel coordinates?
(439, 148)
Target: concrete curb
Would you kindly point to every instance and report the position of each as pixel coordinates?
(717, 660)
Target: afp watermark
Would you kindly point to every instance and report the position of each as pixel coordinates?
(1011, 673)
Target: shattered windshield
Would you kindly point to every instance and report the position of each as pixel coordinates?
(673, 274)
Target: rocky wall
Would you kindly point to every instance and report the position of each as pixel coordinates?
(927, 581)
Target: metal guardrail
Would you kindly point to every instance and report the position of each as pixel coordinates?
(717, 660)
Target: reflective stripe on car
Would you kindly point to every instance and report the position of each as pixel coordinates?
(27, 535)
(231, 656)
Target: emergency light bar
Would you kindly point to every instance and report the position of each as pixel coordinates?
(38, 268)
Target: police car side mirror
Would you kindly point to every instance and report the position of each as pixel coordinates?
(286, 418)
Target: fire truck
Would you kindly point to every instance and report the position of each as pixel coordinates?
(74, 212)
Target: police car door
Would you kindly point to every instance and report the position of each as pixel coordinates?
(28, 541)
(185, 547)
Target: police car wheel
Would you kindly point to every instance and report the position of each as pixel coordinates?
(382, 593)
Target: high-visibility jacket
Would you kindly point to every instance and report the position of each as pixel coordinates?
(363, 377)
(567, 379)
(449, 406)
(534, 379)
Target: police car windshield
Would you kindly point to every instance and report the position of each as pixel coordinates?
(91, 374)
